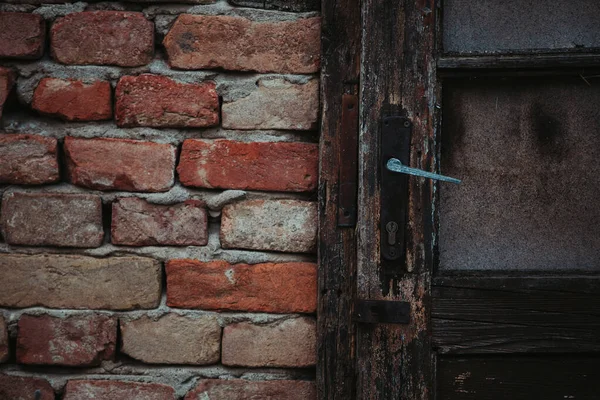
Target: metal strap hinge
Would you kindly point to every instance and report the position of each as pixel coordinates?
(382, 312)
(348, 162)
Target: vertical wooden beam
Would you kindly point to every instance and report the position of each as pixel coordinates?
(397, 77)
(336, 367)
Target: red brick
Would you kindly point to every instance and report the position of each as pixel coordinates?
(24, 388)
(22, 35)
(28, 159)
(136, 222)
(103, 37)
(273, 225)
(52, 219)
(290, 343)
(239, 44)
(7, 80)
(239, 389)
(72, 341)
(117, 390)
(73, 100)
(70, 281)
(225, 164)
(4, 351)
(218, 285)
(119, 164)
(276, 104)
(173, 339)
(161, 102)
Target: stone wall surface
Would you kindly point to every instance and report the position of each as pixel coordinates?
(158, 176)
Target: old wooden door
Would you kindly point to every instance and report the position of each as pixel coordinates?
(500, 273)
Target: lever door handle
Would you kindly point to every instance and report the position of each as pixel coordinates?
(396, 165)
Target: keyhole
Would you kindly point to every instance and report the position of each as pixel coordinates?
(391, 228)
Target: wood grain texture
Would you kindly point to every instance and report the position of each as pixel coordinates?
(567, 59)
(336, 365)
(397, 77)
(519, 378)
(543, 314)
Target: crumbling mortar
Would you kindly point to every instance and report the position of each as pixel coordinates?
(230, 85)
(181, 377)
(28, 122)
(222, 7)
(224, 318)
(214, 199)
(52, 11)
(167, 253)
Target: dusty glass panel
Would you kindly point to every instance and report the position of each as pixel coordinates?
(528, 151)
(493, 26)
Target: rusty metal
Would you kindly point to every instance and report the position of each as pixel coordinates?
(348, 162)
(382, 312)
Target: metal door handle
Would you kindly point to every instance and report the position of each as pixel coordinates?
(396, 165)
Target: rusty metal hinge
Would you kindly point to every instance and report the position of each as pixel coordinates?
(348, 162)
(382, 312)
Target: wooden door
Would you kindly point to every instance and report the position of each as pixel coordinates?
(515, 289)
(501, 273)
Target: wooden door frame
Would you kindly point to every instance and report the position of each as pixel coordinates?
(383, 52)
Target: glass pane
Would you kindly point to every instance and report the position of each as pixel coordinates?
(493, 26)
(528, 152)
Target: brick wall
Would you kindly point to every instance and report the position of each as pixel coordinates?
(158, 168)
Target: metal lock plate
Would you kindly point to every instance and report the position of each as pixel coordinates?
(395, 143)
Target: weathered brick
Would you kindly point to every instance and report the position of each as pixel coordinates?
(290, 343)
(117, 390)
(275, 225)
(276, 104)
(218, 285)
(70, 281)
(22, 35)
(73, 100)
(24, 388)
(239, 44)
(4, 349)
(72, 341)
(28, 159)
(52, 219)
(136, 222)
(227, 164)
(173, 339)
(120, 164)
(239, 389)
(161, 102)
(7, 80)
(103, 37)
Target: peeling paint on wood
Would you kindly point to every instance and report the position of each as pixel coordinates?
(336, 331)
(398, 77)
